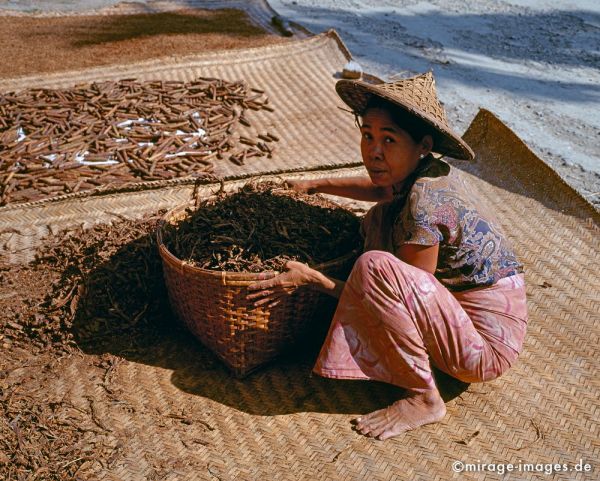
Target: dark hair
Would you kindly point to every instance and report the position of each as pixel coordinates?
(414, 127)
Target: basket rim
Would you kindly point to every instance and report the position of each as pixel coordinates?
(181, 265)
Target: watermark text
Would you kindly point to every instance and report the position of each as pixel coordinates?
(581, 466)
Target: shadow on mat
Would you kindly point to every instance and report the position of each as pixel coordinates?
(125, 312)
(119, 28)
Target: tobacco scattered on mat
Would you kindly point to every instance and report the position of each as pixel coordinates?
(103, 286)
(100, 290)
(98, 287)
(114, 133)
(260, 228)
(47, 439)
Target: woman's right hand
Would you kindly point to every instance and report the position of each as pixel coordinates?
(307, 186)
(271, 291)
(357, 187)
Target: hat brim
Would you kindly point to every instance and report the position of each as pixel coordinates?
(356, 94)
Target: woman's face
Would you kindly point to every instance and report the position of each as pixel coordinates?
(389, 153)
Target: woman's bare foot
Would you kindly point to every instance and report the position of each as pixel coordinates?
(408, 413)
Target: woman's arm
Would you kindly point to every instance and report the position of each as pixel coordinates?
(423, 257)
(328, 285)
(271, 291)
(358, 188)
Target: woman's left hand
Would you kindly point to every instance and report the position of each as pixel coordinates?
(271, 291)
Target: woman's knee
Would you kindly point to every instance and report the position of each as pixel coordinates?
(371, 267)
(375, 261)
(378, 265)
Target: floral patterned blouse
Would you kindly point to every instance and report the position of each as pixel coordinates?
(434, 207)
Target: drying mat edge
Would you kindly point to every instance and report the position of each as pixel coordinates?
(478, 132)
(16, 84)
(33, 223)
(160, 184)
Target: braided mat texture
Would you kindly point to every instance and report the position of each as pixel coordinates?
(298, 77)
(169, 410)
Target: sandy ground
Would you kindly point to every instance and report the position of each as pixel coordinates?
(533, 64)
(80, 41)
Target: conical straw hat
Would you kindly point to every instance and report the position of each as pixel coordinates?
(417, 96)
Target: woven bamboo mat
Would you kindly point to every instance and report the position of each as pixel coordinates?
(298, 77)
(171, 411)
(24, 227)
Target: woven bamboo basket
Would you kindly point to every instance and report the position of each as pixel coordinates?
(213, 306)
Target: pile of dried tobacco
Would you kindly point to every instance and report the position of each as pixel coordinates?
(261, 227)
(112, 133)
(103, 287)
(100, 290)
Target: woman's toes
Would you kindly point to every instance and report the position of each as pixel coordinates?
(404, 415)
(363, 427)
(371, 425)
(388, 433)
